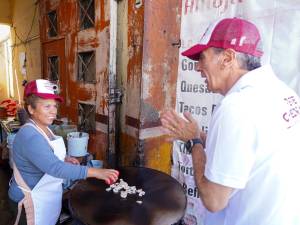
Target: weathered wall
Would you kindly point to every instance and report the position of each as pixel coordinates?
(25, 39)
(160, 66)
(19, 15)
(5, 11)
(3, 85)
(146, 71)
(69, 42)
(129, 65)
(150, 81)
(5, 18)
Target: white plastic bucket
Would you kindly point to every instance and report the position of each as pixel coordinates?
(77, 143)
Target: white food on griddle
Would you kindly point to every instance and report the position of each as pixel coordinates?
(142, 193)
(124, 189)
(123, 194)
(116, 190)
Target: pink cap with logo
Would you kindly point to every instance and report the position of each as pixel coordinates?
(43, 89)
(234, 33)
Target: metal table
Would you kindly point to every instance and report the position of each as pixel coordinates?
(163, 204)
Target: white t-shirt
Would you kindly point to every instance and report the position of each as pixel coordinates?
(253, 146)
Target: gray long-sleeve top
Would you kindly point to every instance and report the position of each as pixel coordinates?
(34, 157)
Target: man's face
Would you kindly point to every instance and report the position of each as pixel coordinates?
(209, 65)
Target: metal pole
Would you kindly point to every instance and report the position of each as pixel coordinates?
(112, 159)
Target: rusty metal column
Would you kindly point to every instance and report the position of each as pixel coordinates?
(115, 93)
(112, 128)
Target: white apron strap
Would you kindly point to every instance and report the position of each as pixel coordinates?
(26, 201)
(35, 126)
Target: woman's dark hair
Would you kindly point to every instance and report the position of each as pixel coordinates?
(247, 62)
(31, 100)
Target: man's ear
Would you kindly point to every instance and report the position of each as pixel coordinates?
(229, 57)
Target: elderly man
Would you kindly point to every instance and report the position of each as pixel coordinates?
(246, 169)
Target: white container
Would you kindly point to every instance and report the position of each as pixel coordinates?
(77, 143)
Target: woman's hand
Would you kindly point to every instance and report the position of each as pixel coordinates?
(110, 176)
(72, 160)
(180, 128)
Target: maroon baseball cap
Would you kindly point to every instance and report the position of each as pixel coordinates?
(234, 33)
(43, 89)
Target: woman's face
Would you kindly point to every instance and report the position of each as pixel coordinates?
(45, 111)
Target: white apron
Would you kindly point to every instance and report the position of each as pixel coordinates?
(43, 203)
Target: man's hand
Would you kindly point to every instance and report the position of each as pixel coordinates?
(179, 128)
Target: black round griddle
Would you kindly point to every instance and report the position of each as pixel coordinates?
(163, 204)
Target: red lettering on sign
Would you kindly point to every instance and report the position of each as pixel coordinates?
(192, 6)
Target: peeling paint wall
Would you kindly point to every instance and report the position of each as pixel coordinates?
(135, 52)
(159, 75)
(147, 61)
(69, 42)
(122, 55)
(150, 83)
(129, 67)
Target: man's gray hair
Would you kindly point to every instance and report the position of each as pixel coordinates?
(247, 62)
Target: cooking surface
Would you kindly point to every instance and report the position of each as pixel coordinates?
(163, 204)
